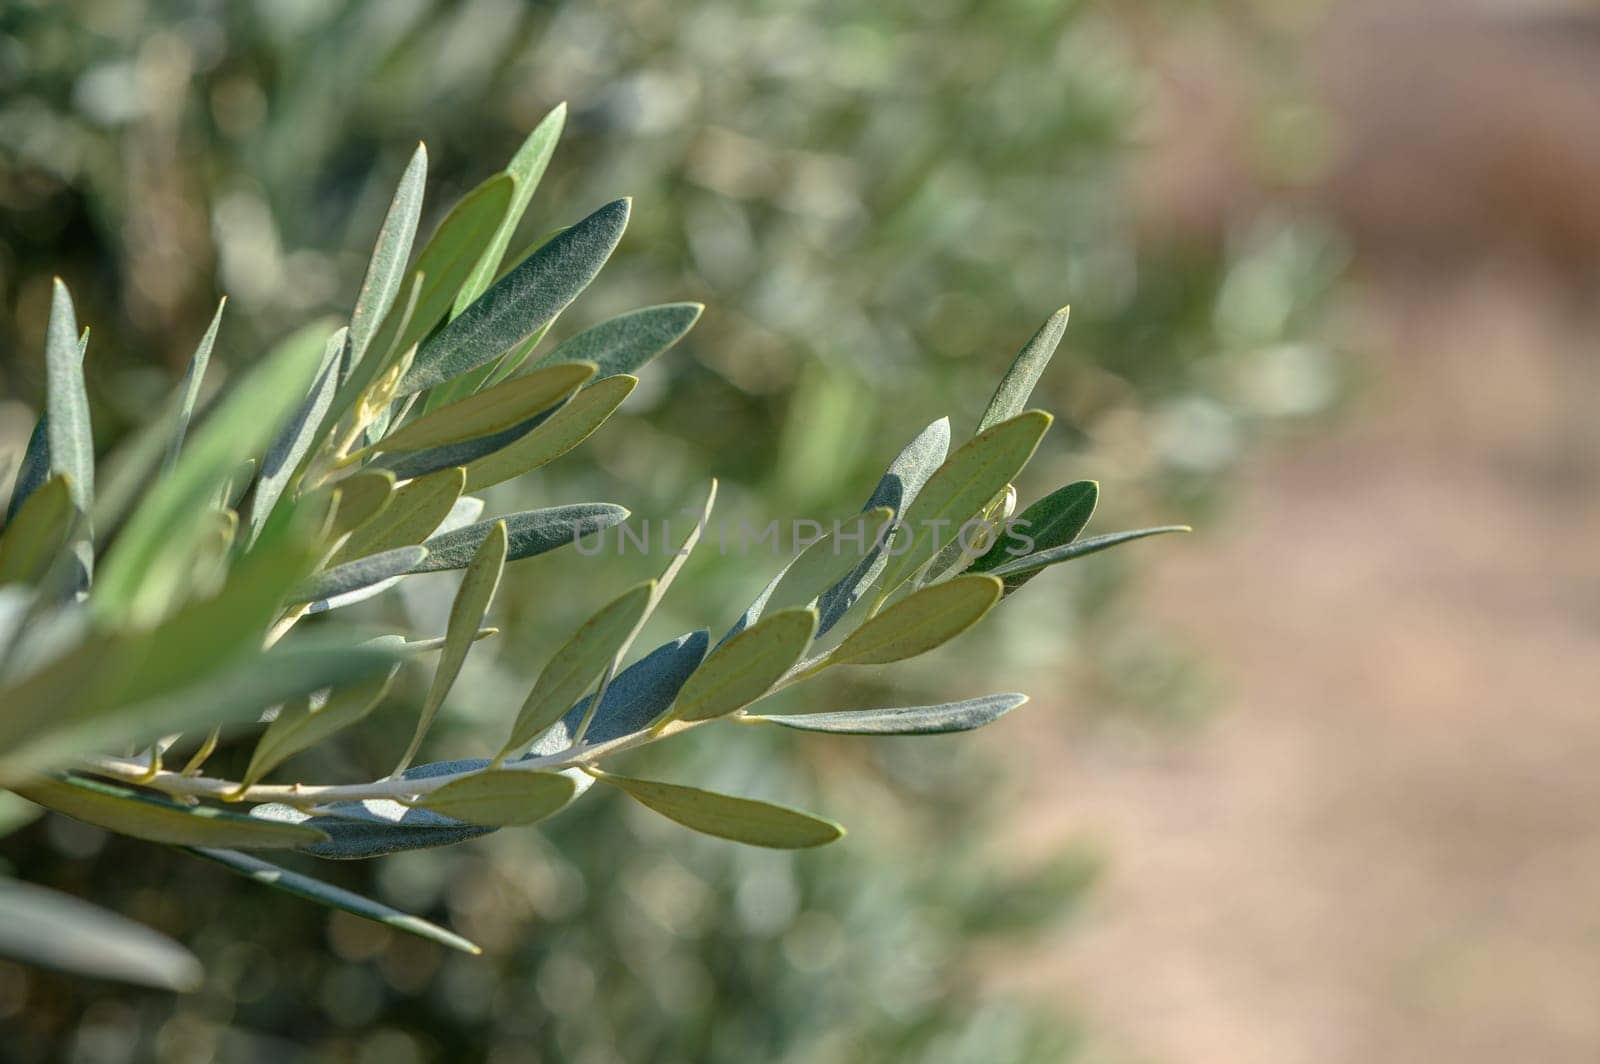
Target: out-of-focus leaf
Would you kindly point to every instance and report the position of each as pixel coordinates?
(145, 564)
(126, 474)
(579, 663)
(531, 532)
(386, 270)
(532, 293)
(16, 812)
(495, 410)
(897, 489)
(624, 344)
(144, 816)
(1011, 396)
(502, 798)
(907, 720)
(67, 407)
(35, 467)
(565, 429)
(291, 445)
(315, 890)
(359, 574)
(466, 613)
(746, 666)
(189, 389)
(961, 488)
(1054, 520)
(38, 533)
(927, 618)
(527, 166)
(301, 726)
(55, 930)
(415, 512)
(739, 819)
(1032, 563)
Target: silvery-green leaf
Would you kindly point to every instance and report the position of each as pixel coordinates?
(624, 344)
(54, 930)
(531, 532)
(897, 489)
(153, 819)
(502, 798)
(1054, 520)
(960, 489)
(1032, 563)
(575, 422)
(359, 574)
(927, 618)
(829, 560)
(315, 890)
(189, 389)
(1011, 397)
(292, 444)
(739, 819)
(578, 664)
(126, 474)
(414, 513)
(638, 695)
(16, 813)
(37, 533)
(361, 499)
(35, 467)
(466, 613)
(386, 270)
(532, 293)
(746, 666)
(144, 567)
(492, 411)
(908, 720)
(301, 726)
(67, 406)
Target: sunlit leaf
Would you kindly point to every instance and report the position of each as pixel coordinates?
(292, 444)
(501, 798)
(153, 819)
(1054, 520)
(301, 726)
(67, 407)
(494, 410)
(908, 720)
(531, 532)
(739, 819)
(189, 389)
(1011, 396)
(413, 514)
(1032, 563)
(565, 429)
(37, 533)
(746, 666)
(359, 574)
(386, 270)
(35, 467)
(829, 560)
(927, 618)
(626, 343)
(361, 499)
(54, 930)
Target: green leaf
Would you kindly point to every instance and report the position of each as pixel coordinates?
(153, 819)
(533, 292)
(145, 566)
(1054, 520)
(189, 389)
(467, 611)
(300, 726)
(35, 467)
(580, 662)
(501, 798)
(386, 270)
(575, 422)
(961, 488)
(67, 407)
(1032, 563)
(624, 344)
(54, 930)
(909, 720)
(827, 561)
(531, 532)
(361, 573)
(925, 619)
(38, 532)
(739, 819)
(527, 167)
(745, 667)
(494, 410)
(315, 890)
(411, 516)
(361, 498)
(294, 442)
(1011, 397)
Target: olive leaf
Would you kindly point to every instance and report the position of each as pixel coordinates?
(1029, 564)
(189, 389)
(575, 422)
(38, 532)
(54, 930)
(1054, 520)
(739, 819)
(1011, 396)
(626, 343)
(362, 573)
(929, 617)
(154, 819)
(907, 720)
(529, 532)
(745, 667)
(300, 726)
(501, 798)
(491, 411)
(386, 269)
(413, 514)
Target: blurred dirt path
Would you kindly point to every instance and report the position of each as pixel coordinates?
(1386, 845)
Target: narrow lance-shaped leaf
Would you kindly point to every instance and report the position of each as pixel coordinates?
(961, 488)
(579, 663)
(827, 561)
(499, 408)
(1054, 520)
(739, 819)
(67, 406)
(361, 573)
(293, 443)
(502, 798)
(300, 727)
(532, 293)
(624, 344)
(54, 930)
(35, 467)
(386, 270)
(467, 611)
(1032, 563)
(639, 695)
(361, 498)
(923, 620)
(189, 389)
(907, 720)
(303, 886)
(575, 422)
(38, 533)
(160, 820)
(1011, 396)
(412, 515)
(530, 532)
(746, 666)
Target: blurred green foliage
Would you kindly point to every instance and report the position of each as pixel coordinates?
(878, 203)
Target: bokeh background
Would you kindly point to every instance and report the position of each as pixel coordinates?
(1314, 785)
